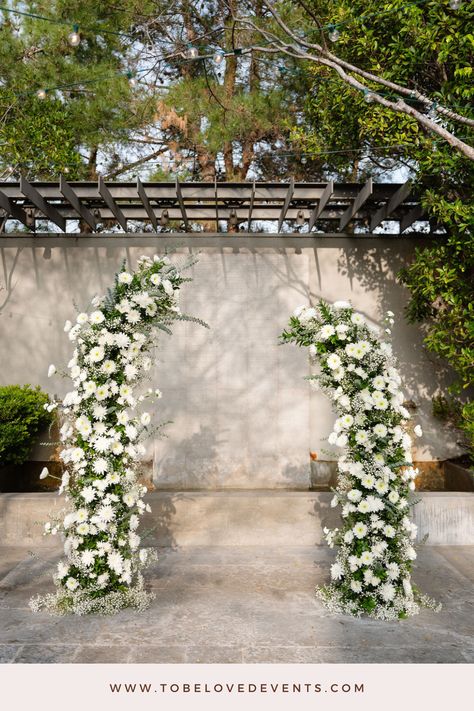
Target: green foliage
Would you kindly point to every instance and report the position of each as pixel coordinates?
(429, 47)
(22, 416)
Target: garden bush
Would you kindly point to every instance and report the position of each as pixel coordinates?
(22, 416)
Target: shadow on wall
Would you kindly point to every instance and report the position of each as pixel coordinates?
(193, 465)
(375, 271)
(424, 375)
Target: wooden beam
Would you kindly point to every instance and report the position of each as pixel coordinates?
(252, 198)
(105, 193)
(146, 203)
(353, 209)
(198, 240)
(83, 212)
(323, 200)
(182, 206)
(15, 211)
(286, 204)
(50, 212)
(385, 210)
(216, 204)
(411, 216)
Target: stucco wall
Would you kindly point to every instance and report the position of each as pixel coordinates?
(243, 416)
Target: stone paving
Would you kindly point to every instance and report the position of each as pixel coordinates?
(227, 604)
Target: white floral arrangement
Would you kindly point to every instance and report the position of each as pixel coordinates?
(372, 571)
(101, 436)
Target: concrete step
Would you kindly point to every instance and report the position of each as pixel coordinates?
(239, 518)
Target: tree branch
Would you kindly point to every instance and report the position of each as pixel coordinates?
(299, 50)
(405, 91)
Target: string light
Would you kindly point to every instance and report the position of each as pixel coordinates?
(74, 38)
(334, 33)
(132, 80)
(432, 113)
(455, 4)
(219, 56)
(192, 52)
(41, 94)
(368, 96)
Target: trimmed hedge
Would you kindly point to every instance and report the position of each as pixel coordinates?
(22, 417)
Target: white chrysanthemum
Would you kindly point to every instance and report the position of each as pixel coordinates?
(346, 421)
(108, 367)
(63, 570)
(96, 354)
(387, 591)
(354, 495)
(102, 392)
(378, 382)
(363, 506)
(97, 317)
(366, 558)
(87, 558)
(389, 531)
(327, 331)
(129, 500)
(130, 371)
(380, 430)
(82, 529)
(122, 417)
(99, 412)
(357, 319)
(418, 431)
(125, 278)
(125, 390)
(106, 513)
(131, 432)
(122, 340)
(393, 571)
(381, 486)
(361, 437)
(89, 388)
(145, 419)
(337, 571)
(333, 361)
(88, 493)
(72, 584)
(100, 465)
(117, 448)
(359, 530)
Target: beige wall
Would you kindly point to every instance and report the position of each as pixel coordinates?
(243, 416)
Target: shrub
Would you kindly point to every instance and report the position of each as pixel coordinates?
(22, 416)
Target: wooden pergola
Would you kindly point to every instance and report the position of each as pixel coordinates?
(62, 212)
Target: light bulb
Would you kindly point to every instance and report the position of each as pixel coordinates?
(192, 52)
(368, 97)
(131, 79)
(455, 4)
(41, 94)
(219, 57)
(432, 113)
(334, 34)
(74, 38)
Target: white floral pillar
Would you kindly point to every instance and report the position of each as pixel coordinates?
(103, 425)
(372, 570)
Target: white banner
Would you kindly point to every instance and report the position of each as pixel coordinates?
(203, 687)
